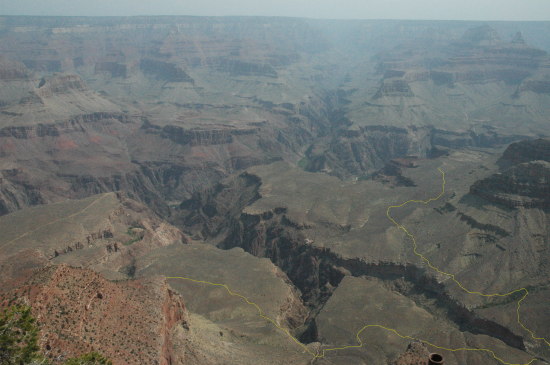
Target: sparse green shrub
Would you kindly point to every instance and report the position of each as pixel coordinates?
(92, 358)
(19, 341)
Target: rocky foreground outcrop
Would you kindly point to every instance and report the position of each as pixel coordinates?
(79, 311)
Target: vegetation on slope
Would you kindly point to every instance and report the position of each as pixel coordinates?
(19, 335)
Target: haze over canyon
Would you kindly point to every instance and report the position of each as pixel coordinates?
(268, 190)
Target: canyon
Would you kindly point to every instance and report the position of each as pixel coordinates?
(152, 166)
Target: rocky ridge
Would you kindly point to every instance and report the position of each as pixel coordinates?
(79, 311)
(526, 183)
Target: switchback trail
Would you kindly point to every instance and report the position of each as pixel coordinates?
(322, 353)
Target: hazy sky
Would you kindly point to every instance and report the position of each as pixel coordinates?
(363, 9)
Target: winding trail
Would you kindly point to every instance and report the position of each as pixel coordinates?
(322, 353)
(453, 276)
(60, 219)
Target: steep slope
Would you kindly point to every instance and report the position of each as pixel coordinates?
(104, 232)
(79, 310)
(249, 300)
(526, 183)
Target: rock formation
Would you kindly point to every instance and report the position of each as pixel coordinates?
(526, 183)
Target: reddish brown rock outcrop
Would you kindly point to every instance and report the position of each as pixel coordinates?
(130, 322)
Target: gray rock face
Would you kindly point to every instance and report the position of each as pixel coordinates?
(526, 151)
(164, 71)
(526, 183)
(484, 35)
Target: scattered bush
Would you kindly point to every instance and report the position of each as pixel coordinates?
(19, 341)
(93, 358)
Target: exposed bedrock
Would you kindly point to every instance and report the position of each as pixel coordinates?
(60, 84)
(524, 180)
(12, 70)
(483, 138)
(114, 69)
(361, 152)
(525, 185)
(154, 184)
(135, 184)
(207, 137)
(44, 65)
(537, 86)
(525, 151)
(392, 172)
(76, 124)
(367, 150)
(212, 211)
(479, 57)
(245, 68)
(15, 195)
(96, 316)
(155, 165)
(508, 75)
(316, 271)
(395, 82)
(165, 71)
(394, 87)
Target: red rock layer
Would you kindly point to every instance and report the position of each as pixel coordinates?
(130, 322)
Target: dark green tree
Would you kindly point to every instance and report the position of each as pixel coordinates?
(18, 336)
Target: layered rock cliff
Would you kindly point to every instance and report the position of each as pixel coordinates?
(526, 183)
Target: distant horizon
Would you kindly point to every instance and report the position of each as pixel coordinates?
(429, 10)
(273, 16)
